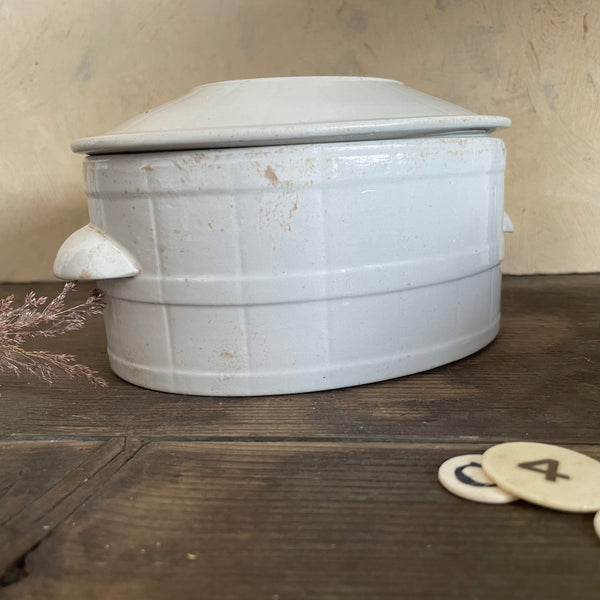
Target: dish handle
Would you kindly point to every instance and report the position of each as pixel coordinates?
(89, 253)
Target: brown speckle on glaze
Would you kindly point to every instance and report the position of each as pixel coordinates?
(271, 175)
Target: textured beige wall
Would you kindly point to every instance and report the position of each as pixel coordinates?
(70, 69)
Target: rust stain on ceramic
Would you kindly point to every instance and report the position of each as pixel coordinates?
(271, 175)
(227, 354)
(147, 168)
(85, 274)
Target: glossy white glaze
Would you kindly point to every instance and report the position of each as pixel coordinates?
(295, 268)
(289, 110)
(89, 253)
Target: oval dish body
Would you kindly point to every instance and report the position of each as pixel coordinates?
(287, 267)
(297, 268)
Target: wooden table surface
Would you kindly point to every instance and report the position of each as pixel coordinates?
(128, 493)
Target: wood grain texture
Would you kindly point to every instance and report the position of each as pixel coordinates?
(27, 527)
(329, 495)
(539, 379)
(28, 469)
(311, 520)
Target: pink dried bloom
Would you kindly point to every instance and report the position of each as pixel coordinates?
(39, 318)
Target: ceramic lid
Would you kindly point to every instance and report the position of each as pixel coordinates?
(289, 110)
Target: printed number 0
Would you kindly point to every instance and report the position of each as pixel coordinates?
(464, 478)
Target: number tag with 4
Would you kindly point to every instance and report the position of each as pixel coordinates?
(546, 475)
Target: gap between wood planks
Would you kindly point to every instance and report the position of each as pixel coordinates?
(23, 532)
(468, 440)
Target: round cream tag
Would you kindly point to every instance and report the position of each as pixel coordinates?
(464, 477)
(546, 475)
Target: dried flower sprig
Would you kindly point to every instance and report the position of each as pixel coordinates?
(39, 318)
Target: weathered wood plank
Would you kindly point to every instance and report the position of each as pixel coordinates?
(306, 520)
(540, 379)
(26, 528)
(28, 469)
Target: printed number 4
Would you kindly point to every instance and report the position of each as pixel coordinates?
(551, 470)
